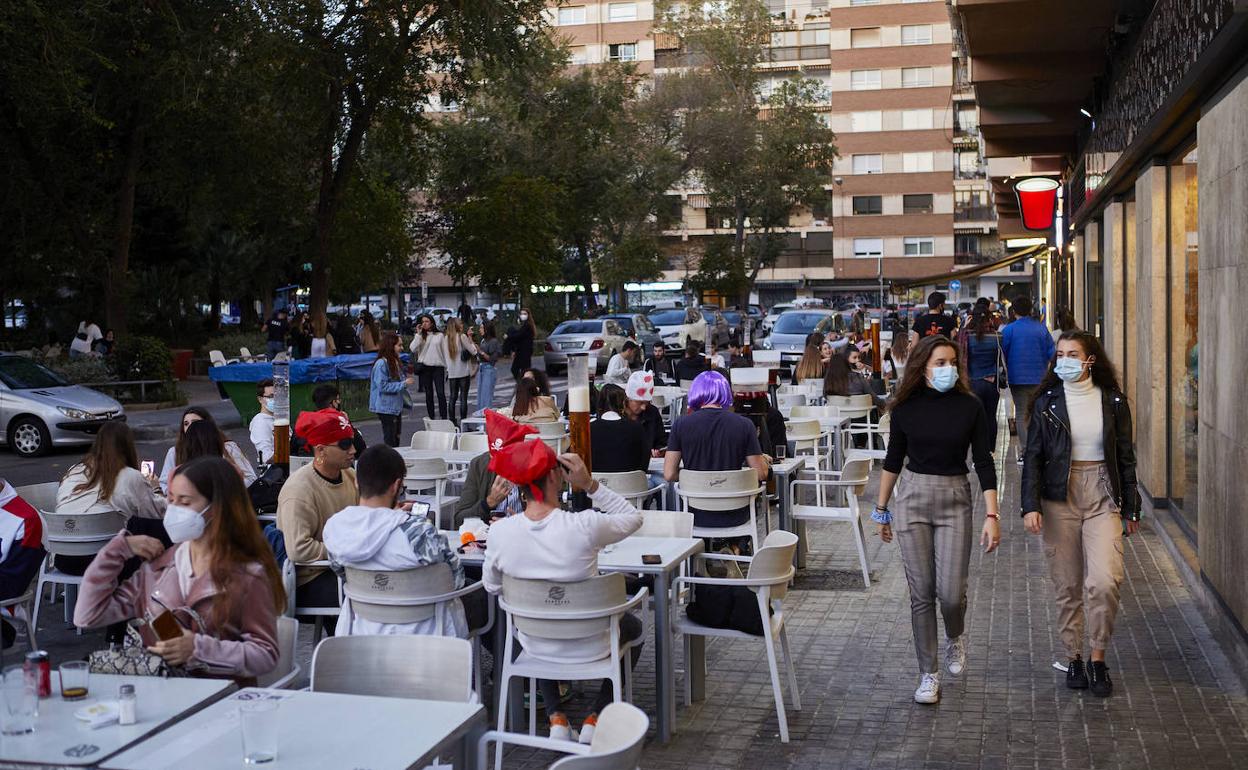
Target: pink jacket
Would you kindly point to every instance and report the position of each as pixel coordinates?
(246, 648)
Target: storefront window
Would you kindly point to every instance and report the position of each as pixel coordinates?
(1185, 346)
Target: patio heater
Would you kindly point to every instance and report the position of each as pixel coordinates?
(578, 406)
(281, 411)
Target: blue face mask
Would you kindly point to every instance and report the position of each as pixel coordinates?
(268, 404)
(943, 378)
(1068, 369)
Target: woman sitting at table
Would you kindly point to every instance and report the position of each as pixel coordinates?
(219, 580)
(531, 406)
(810, 367)
(177, 453)
(617, 444)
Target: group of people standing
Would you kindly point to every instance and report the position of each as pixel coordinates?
(309, 336)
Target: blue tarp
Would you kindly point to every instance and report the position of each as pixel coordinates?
(302, 371)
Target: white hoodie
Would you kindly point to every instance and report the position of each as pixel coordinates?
(388, 539)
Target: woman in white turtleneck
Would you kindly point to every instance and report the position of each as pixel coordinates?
(1079, 490)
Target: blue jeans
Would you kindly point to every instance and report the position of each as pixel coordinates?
(487, 375)
(273, 347)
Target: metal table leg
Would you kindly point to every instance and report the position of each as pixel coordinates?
(664, 671)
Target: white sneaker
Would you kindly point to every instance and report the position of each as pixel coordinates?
(929, 689)
(587, 733)
(955, 655)
(561, 732)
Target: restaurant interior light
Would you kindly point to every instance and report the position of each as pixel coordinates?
(1037, 201)
(1083, 111)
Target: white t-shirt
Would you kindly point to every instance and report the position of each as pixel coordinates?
(84, 346)
(232, 453)
(261, 430)
(561, 547)
(618, 371)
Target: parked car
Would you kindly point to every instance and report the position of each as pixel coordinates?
(599, 337)
(639, 328)
(769, 320)
(39, 409)
(678, 328)
(789, 334)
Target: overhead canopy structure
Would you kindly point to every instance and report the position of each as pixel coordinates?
(972, 272)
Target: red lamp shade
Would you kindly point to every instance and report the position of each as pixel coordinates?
(1037, 201)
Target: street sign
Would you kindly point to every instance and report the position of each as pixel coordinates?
(955, 285)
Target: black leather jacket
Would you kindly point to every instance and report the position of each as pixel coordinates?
(1046, 460)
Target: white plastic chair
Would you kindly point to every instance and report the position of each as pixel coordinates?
(617, 743)
(852, 479)
(767, 358)
(71, 534)
(633, 486)
(287, 670)
(665, 524)
(217, 358)
(319, 614)
(553, 433)
(810, 439)
(405, 666)
(878, 431)
(440, 426)
(474, 442)
(543, 609)
(429, 473)
(22, 609)
(433, 439)
(245, 356)
(786, 401)
(42, 497)
(298, 461)
(410, 596)
(770, 570)
(722, 491)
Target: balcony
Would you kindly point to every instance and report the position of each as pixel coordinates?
(970, 258)
(974, 214)
(977, 172)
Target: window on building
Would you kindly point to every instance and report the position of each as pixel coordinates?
(920, 203)
(967, 163)
(783, 39)
(917, 162)
(970, 198)
(578, 54)
(966, 247)
(916, 77)
(1185, 353)
(864, 2)
(872, 120)
(919, 247)
(815, 36)
(968, 119)
(916, 34)
(864, 37)
(622, 52)
(572, 14)
(916, 120)
(864, 80)
(716, 9)
(865, 205)
(869, 164)
(868, 247)
(622, 12)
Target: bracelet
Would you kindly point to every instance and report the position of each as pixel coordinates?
(882, 515)
(996, 516)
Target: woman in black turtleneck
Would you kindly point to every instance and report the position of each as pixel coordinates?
(935, 420)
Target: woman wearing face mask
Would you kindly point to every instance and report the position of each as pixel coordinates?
(219, 579)
(519, 342)
(1079, 491)
(935, 420)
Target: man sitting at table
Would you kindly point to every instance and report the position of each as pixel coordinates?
(21, 548)
(378, 534)
(549, 543)
(640, 394)
(311, 496)
(486, 495)
(713, 438)
(691, 365)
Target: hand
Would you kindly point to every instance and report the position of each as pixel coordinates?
(144, 547)
(177, 651)
(1033, 522)
(498, 492)
(410, 380)
(990, 538)
(574, 468)
(656, 452)
(1132, 527)
(886, 533)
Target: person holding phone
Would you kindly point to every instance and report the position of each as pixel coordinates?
(218, 583)
(935, 421)
(1079, 491)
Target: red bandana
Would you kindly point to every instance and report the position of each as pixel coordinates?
(512, 457)
(328, 426)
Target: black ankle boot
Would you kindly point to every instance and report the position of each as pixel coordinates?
(1076, 675)
(1098, 679)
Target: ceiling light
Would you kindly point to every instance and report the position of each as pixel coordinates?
(1085, 112)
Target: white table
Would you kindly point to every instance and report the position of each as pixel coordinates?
(61, 739)
(317, 729)
(452, 456)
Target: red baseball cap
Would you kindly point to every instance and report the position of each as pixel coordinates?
(327, 426)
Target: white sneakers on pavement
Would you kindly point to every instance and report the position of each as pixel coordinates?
(929, 689)
(955, 655)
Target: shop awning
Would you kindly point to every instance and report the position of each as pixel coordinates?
(972, 272)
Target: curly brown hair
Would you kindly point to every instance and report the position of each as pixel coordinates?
(915, 376)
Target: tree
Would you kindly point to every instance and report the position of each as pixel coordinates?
(757, 159)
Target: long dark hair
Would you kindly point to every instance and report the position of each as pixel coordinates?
(1104, 376)
(539, 377)
(526, 397)
(981, 322)
(234, 537)
(488, 331)
(611, 399)
(385, 352)
(112, 450)
(202, 414)
(836, 376)
(915, 376)
(202, 439)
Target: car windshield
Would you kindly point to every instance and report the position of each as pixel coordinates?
(21, 373)
(832, 323)
(578, 327)
(668, 318)
(794, 322)
(625, 323)
(732, 317)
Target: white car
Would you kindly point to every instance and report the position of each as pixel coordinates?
(769, 321)
(678, 328)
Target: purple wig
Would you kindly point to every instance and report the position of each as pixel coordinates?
(710, 389)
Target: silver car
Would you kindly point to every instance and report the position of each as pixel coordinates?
(599, 337)
(639, 328)
(40, 410)
(792, 326)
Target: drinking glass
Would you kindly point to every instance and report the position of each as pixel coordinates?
(21, 701)
(74, 678)
(259, 723)
(782, 451)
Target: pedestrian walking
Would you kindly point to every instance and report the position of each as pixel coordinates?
(934, 322)
(981, 347)
(301, 336)
(1028, 349)
(935, 420)
(1079, 491)
(345, 338)
(370, 333)
(519, 343)
(429, 347)
(322, 341)
(461, 365)
(276, 330)
(385, 388)
(488, 353)
(899, 352)
(464, 311)
(1065, 323)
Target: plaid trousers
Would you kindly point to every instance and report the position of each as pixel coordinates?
(932, 521)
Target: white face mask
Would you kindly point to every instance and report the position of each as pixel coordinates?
(524, 316)
(183, 524)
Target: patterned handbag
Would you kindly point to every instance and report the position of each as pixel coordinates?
(131, 658)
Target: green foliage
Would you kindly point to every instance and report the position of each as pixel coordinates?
(81, 370)
(229, 342)
(143, 358)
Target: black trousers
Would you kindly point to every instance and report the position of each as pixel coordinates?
(989, 396)
(459, 397)
(434, 378)
(391, 428)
